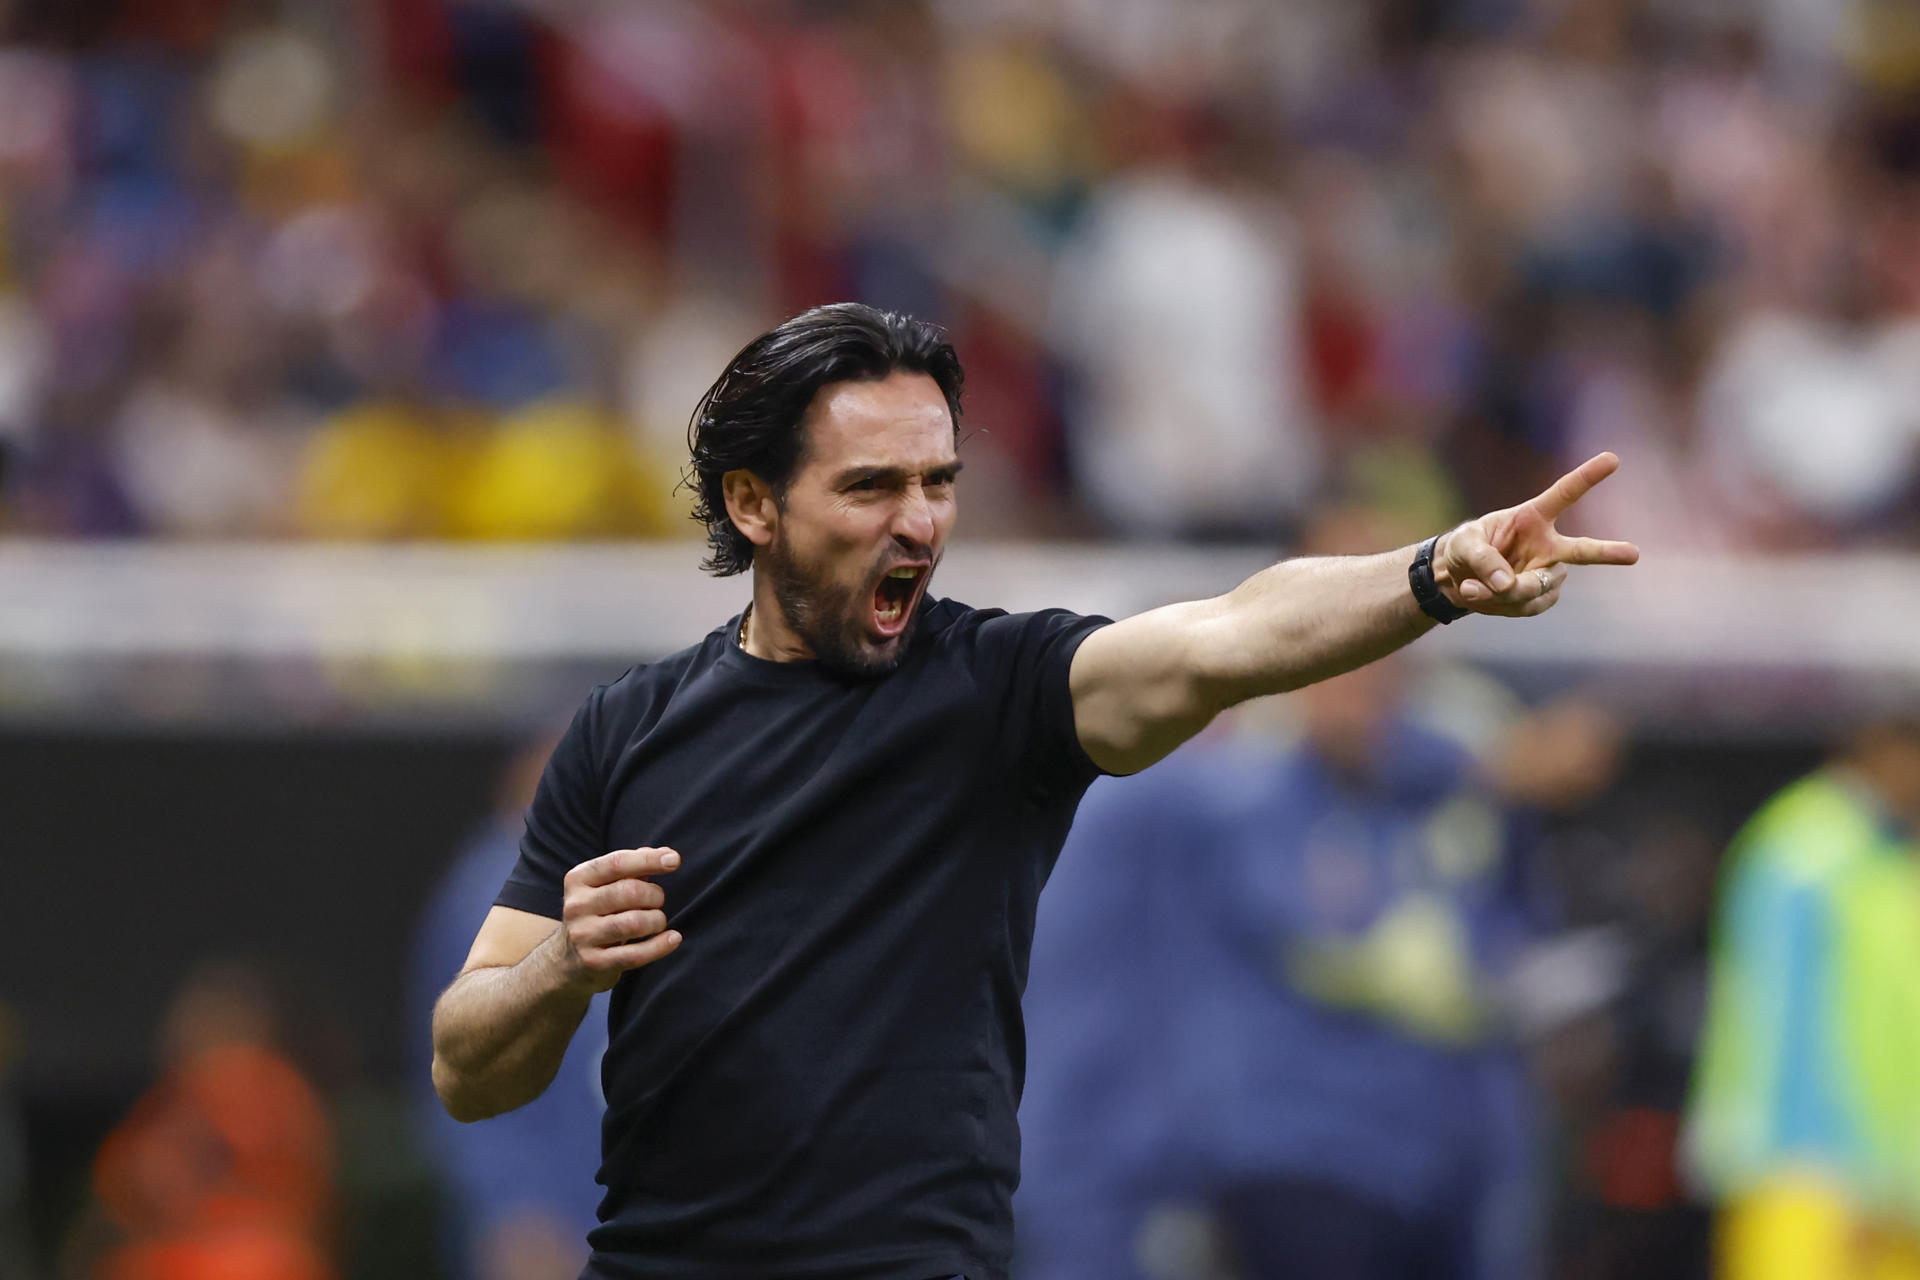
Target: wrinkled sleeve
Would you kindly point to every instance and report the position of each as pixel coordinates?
(564, 823)
(1029, 656)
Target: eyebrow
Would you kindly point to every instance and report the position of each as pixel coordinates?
(894, 475)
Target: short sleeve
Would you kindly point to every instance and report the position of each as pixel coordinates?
(1031, 655)
(564, 825)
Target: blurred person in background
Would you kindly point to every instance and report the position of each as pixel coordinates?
(1804, 1124)
(1268, 1035)
(1810, 412)
(521, 1188)
(1178, 304)
(224, 1168)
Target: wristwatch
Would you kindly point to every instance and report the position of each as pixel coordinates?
(1426, 592)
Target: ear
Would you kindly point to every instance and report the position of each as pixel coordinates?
(751, 506)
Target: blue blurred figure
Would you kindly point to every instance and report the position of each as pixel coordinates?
(520, 1186)
(1265, 1039)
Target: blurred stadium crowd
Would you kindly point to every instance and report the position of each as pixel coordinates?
(423, 268)
(1219, 270)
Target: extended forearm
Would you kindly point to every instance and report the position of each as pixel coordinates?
(499, 1033)
(1305, 620)
(1143, 686)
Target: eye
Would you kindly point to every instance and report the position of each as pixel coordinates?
(866, 484)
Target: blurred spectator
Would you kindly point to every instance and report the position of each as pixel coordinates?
(1639, 404)
(1813, 421)
(224, 1167)
(1178, 305)
(382, 469)
(1807, 1094)
(522, 1197)
(1269, 1032)
(560, 470)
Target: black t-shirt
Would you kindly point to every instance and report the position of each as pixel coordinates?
(822, 1080)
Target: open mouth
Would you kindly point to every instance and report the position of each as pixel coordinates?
(894, 597)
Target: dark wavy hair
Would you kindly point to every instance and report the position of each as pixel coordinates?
(750, 418)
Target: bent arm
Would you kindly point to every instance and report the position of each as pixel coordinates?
(502, 1027)
(1143, 686)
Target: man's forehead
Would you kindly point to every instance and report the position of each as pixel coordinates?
(899, 421)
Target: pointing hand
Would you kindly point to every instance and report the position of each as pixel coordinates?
(1512, 562)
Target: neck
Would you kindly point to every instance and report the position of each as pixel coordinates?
(767, 634)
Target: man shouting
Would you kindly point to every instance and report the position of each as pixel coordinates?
(805, 853)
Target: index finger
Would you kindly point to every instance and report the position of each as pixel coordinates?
(626, 864)
(1574, 485)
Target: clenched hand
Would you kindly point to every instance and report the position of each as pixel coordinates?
(611, 914)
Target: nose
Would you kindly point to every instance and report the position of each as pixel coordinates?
(913, 522)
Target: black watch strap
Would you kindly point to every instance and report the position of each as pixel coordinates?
(1426, 592)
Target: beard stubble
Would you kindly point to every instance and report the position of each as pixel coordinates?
(832, 619)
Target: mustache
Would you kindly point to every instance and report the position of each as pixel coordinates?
(903, 556)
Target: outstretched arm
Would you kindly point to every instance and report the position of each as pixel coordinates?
(1143, 686)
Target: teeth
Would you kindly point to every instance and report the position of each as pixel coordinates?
(903, 573)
